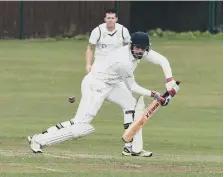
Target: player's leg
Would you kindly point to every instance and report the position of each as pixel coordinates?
(82, 105)
(93, 95)
(81, 111)
(123, 97)
(132, 108)
(73, 132)
(137, 143)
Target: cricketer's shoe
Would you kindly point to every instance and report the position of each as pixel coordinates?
(143, 153)
(29, 138)
(35, 147)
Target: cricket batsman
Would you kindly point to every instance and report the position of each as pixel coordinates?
(99, 83)
(104, 39)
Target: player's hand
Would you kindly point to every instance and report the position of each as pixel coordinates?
(167, 101)
(88, 68)
(172, 87)
(157, 96)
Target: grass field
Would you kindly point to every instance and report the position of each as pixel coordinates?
(37, 77)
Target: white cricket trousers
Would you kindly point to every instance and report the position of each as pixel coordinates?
(93, 93)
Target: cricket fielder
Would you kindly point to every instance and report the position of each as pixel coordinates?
(96, 86)
(104, 38)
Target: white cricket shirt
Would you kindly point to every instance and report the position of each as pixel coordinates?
(120, 64)
(107, 41)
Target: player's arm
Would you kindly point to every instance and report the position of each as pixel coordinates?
(126, 36)
(94, 37)
(128, 77)
(89, 56)
(158, 59)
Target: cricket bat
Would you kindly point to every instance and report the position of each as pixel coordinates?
(139, 123)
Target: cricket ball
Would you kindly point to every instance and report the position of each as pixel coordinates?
(71, 99)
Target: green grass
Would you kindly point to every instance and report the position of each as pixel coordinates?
(38, 76)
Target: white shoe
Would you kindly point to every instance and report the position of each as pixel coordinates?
(143, 153)
(35, 147)
(29, 138)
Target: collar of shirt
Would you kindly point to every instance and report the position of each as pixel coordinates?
(110, 32)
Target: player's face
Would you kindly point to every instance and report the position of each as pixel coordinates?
(138, 52)
(110, 19)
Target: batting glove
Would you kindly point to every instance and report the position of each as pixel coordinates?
(172, 88)
(167, 101)
(157, 96)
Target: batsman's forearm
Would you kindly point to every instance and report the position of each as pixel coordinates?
(140, 90)
(134, 87)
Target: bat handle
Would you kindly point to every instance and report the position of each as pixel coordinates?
(161, 99)
(178, 82)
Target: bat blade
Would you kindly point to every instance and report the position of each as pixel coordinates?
(140, 122)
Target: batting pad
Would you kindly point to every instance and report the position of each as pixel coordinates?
(137, 143)
(74, 131)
